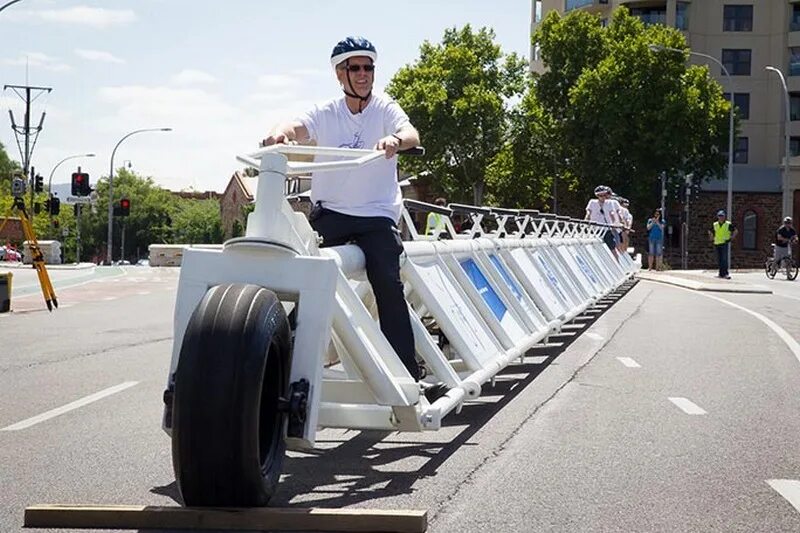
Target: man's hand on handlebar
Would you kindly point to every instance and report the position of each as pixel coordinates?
(390, 144)
(276, 138)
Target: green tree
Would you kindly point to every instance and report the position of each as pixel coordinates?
(457, 95)
(621, 113)
(197, 222)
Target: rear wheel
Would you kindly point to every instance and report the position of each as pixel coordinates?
(228, 425)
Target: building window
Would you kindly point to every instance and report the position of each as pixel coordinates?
(794, 146)
(650, 15)
(750, 230)
(794, 23)
(682, 16)
(575, 4)
(794, 61)
(794, 106)
(737, 18)
(742, 102)
(537, 10)
(741, 149)
(737, 61)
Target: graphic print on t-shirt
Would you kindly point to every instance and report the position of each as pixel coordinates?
(357, 142)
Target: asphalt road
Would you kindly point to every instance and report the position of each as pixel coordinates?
(674, 411)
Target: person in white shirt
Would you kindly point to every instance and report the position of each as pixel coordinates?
(604, 210)
(627, 224)
(362, 206)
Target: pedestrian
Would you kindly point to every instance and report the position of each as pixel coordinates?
(655, 240)
(785, 236)
(435, 222)
(721, 233)
(363, 205)
(604, 210)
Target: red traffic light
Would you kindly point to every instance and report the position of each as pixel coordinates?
(125, 203)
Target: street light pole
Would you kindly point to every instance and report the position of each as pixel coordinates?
(786, 205)
(729, 210)
(11, 3)
(110, 242)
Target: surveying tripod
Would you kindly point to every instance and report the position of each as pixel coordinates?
(38, 258)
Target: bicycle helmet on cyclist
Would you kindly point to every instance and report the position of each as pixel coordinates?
(787, 220)
(348, 48)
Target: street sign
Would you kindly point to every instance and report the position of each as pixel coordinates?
(83, 200)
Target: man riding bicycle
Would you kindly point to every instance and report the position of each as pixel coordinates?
(784, 237)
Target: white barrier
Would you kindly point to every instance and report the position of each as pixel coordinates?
(492, 294)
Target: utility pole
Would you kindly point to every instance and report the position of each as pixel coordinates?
(26, 136)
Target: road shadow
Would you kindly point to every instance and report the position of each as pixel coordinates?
(347, 471)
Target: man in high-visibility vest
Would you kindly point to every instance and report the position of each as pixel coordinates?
(721, 233)
(435, 220)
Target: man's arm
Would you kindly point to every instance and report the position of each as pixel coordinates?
(406, 137)
(285, 133)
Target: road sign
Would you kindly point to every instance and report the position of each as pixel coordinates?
(83, 200)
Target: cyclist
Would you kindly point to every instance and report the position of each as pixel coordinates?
(363, 205)
(785, 235)
(604, 210)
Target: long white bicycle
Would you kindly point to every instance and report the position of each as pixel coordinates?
(275, 338)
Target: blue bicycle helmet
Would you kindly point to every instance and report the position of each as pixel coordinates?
(352, 47)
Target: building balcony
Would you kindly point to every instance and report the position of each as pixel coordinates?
(588, 5)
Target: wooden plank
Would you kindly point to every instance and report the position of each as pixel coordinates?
(264, 518)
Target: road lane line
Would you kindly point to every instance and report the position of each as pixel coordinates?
(789, 489)
(687, 406)
(793, 345)
(630, 363)
(86, 400)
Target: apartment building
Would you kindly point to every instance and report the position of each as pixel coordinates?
(746, 36)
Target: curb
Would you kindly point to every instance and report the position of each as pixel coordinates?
(703, 286)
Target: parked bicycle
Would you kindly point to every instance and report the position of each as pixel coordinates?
(787, 264)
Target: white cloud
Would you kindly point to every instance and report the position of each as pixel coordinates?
(96, 17)
(137, 103)
(190, 77)
(98, 55)
(278, 81)
(39, 60)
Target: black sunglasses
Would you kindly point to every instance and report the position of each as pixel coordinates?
(357, 68)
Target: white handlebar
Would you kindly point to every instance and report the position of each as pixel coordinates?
(358, 157)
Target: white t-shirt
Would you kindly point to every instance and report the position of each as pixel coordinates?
(627, 218)
(368, 191)
(607, 213)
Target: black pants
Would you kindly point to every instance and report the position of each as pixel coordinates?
(379, 239)
(722, 259)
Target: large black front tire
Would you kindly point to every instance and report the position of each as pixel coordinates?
(228, 430)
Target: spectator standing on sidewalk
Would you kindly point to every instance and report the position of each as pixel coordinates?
(435, 220)
(655, 240)
(721, 233)
(627, 223)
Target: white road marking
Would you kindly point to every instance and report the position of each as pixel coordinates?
(793, 345)
(109, 298)
(86, 400)
(687, 406)
(594, 336)
(630, 363)
(789, 489)
(143, 293)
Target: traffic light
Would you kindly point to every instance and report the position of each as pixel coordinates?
(80, 184)
(124, 207)
(38, 183)
(55, 206)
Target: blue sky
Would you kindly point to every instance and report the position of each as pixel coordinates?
(219, 73)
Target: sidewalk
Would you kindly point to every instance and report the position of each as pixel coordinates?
(702, 280)
(17, 265)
